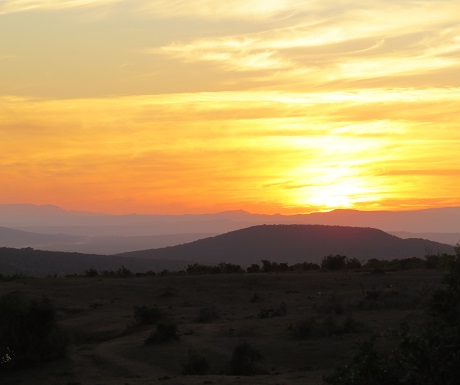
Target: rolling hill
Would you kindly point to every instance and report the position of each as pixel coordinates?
(41, 263)
(296, 243)
(91, 244)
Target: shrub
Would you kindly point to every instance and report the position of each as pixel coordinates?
(331, 262)
(165, 331)
(230, 268)
(29, 333)
(254, 268)
(353, 263)
(244, 360)
(207, 313)
(145, 315)
(429, 355)
(280, 311)
(91, 273)
(331, 304)
(303, 329)
(255, 298)
(195, 364)
(123, 272)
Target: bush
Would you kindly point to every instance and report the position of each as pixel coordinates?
(91, 273)
(244, 360)
(145, 315)
(254, 268)
(166, 331)
(331, 262)
(280, 311)
(207, 313)
(195, 364)
(429, 355)
(303, 329)
(325, 327)
(29, 333)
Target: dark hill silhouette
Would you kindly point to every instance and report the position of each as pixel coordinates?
(41, 263)
(296, 243)
(91, 244)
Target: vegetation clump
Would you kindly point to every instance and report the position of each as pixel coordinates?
(280, 311)
(208, 313)
(428, 354)
(339, 262)
(165, 331)
(147, 315)
(327, 326)
(195, 364)
(244, 360)
(29, 333)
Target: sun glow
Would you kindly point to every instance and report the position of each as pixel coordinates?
(331, 201)
(279, 107)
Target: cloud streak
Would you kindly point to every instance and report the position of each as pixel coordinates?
(168, 147)
(271, 106)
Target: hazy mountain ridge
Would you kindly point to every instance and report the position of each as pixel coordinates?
(280, 243)
(446, 238)
(92, 245)
(296, 243)
(51, 218)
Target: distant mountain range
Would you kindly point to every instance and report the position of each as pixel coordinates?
(52, 228)
(277, 243)
(296, 243)
(49, 219)
(92, 245)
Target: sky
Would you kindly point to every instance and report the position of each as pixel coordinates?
(200, 106)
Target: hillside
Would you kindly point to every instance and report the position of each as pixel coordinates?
(41, 263)
(91, 244)
(18, 238)
(296, 243)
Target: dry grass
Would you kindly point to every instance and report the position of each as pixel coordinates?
(108, 348)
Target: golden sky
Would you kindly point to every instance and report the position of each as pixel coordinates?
(197, 106)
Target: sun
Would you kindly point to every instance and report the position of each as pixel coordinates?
(331, 201)
(349, 194)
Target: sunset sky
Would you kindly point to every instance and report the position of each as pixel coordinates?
(199, 106)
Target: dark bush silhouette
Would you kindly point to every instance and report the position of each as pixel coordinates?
(123, 272)
(207, 313)
(165, 331)
(244, 360)
(196, 364)
(429, 354)
(334, 262)
(91, 273)
(146, 315)
(353, 263)
(29, 333)
(304, 266)
(254, 268)
(280, 311)
(326, 326)
(221, 268)
(303, 329)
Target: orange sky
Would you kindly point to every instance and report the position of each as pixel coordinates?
(201, 106)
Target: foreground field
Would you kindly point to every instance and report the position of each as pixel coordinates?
(303, 324)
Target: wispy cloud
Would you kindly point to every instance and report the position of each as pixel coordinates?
(356, 43)
(12, 6)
